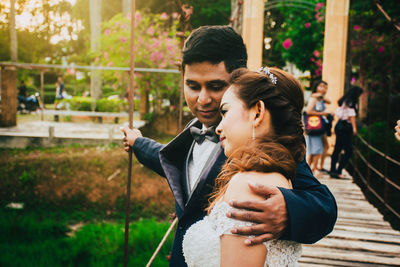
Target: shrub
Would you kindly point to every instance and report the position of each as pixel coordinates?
(110, 105)
(80, 103)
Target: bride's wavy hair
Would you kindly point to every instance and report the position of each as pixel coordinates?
(285, 148)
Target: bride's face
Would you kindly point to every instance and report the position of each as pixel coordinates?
(235, 128)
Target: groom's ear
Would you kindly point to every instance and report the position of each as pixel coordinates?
(260, 112)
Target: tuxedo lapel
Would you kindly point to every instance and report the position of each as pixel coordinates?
(173, 159)
(206, 180)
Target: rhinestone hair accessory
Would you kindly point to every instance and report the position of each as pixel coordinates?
(271, 76)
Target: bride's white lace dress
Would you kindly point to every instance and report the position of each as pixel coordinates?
(201, 243)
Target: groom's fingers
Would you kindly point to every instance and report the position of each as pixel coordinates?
(260, 239)
(264, 190)
(245, 215)
(256, 229)
(249, 205)
(270, 214)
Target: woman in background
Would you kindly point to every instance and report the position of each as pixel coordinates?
(317, 145)
(345, 128)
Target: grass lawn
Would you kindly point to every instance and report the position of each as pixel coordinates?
(74, 202)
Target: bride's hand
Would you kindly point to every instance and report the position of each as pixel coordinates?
(270, 215)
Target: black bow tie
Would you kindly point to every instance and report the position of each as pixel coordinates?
(200, 135)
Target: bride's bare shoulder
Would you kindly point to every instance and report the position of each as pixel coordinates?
(238, 187)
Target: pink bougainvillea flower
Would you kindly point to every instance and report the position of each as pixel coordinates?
(156, 56)
(318, 62)
(287, 43)
(357, 27)
(123, 39)
(164, 16)
(312, 59)
(307, 25)
(150, 31)
(138, 17)
(381, 49)
(105, 55)
(318, 6)
(316, 53)
(107, 31)
(140, 40)
(353, 80)
(318, 17)
(124, 26)
(109, 64)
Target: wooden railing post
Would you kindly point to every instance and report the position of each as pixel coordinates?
(8, 96)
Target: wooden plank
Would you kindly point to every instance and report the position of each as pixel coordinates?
(363, 229)
(360, 222)
(349, 255)
(363, 236)
(356, 245)
(308, 262)
(361, 216)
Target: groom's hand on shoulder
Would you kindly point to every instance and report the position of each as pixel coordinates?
(270, 215)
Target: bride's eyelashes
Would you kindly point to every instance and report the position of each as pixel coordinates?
(223, 111)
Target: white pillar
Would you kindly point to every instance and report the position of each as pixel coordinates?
(335, 43)
(252, 31)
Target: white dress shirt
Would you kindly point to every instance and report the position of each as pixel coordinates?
(198, 159)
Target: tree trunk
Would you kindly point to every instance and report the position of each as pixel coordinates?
(95, 28)
(8, 97)
(13, 34)
(126, 7)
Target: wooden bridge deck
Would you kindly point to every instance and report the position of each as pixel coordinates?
(361, 236)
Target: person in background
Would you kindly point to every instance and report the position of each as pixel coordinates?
(22, 92)
(59, 91)
(345, 128)
(317, 145)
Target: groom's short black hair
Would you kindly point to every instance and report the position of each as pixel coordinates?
(215, 44)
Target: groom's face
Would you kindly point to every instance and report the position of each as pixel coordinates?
(204, 85)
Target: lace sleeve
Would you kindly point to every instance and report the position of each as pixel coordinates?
(280, 252)
(222, 224)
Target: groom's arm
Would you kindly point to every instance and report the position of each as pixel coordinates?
(147, 152)
(311, 207)
(304, 214)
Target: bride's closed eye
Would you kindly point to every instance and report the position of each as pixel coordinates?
(223, 111)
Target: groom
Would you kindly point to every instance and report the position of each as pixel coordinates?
(190, 162)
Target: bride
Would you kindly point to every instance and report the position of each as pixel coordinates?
(262, 136)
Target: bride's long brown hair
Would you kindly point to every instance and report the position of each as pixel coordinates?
(280, 152)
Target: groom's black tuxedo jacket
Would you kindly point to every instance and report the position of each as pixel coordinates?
(311, 206)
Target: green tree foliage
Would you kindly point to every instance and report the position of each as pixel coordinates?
(272, 27)
(210, 12)
(301, 38)
(375, 54)
(156, 46)
(34, 43)
(205, 12)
